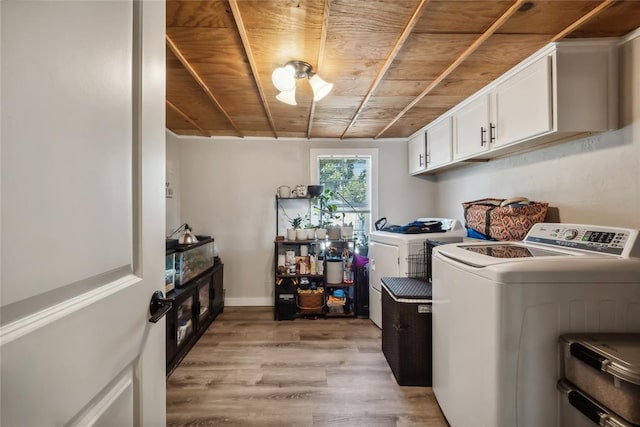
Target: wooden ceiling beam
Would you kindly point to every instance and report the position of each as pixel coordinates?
(323, 40)
(252, 62)
(456, 63)
(584, 19)
(187, 118)
(406, 32)
(196, 77)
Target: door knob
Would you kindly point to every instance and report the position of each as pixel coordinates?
(159, 306)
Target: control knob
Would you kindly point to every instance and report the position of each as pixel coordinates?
(570, 234)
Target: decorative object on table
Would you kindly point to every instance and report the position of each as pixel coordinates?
(284, 192)
(314, 190)
(503, 219)
(333, 232)
(346, 231)
(301, 191)
(311, 230)
(292, 233)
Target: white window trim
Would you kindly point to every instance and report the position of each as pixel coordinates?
(372, 153)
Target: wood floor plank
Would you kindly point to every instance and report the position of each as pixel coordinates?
(249, 370)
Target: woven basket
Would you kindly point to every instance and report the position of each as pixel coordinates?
(311, 303)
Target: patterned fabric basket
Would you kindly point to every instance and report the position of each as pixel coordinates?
(511, 222)
(311, 302)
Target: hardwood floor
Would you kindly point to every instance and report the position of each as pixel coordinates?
(249, 370)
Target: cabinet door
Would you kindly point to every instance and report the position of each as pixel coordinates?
(471, 124)
(417, 152)
(439, 138)
(523, 104)
(171, 341)
(185, 321)
(218, 290)
(204, 300)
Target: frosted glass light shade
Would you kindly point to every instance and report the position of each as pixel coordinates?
(283, 78)
(288, 96)
(320, 87)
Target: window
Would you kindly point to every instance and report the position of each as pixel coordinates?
(351, 175)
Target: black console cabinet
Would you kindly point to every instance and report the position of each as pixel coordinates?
(195, 306)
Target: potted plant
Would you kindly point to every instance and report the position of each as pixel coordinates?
(362, 244)
(311, 229)
(326, 212)
(300, 233)
(346, 230)
(295, 222)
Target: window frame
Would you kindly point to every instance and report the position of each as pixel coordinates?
(370, 153)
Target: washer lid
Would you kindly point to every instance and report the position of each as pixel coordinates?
(534, 264)
(492, 253)
(510, 251)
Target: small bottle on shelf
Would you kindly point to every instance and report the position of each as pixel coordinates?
(320, 263)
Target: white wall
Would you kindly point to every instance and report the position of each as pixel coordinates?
(226, 188)
(595, 180)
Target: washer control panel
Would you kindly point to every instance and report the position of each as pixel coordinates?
(593, 238)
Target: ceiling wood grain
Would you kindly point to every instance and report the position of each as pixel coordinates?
(395, 64)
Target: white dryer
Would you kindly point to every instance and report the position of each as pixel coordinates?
(389, 253)
(499, 308)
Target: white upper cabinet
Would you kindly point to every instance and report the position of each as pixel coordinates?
(439, 139)
(471, 128)
(522, 107)
(417, 154)
(565, 90)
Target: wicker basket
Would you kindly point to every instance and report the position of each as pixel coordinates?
(311, 302)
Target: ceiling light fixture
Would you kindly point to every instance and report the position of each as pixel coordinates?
(284, 79)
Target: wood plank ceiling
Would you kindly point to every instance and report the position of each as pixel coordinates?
(395, 64)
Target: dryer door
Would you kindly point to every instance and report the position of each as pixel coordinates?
(384, 261)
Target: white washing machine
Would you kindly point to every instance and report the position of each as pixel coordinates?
(389, 253)
(499, 308)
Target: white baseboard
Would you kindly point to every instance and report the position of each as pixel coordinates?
(248, 302)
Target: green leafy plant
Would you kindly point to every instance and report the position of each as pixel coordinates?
(326, 211)
(296, 222)
(308, 224)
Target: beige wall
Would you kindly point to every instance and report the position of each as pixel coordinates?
(226, 188)
(594, 180)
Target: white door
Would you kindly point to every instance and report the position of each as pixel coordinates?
(417, 151)
(82, 166)
(439, 137)
(383, 262)
(471, 128)
(523, 104)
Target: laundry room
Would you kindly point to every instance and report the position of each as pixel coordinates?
(380, 213)
(230, 188)
(226, 186)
